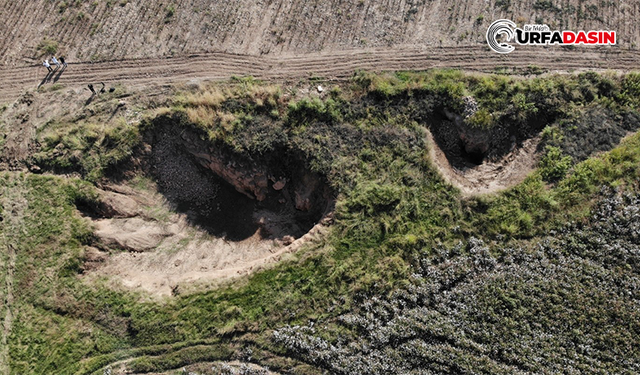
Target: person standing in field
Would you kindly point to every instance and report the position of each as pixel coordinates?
(55, 61)
(64, 63)
(45, 63)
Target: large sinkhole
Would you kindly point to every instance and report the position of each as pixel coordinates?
(462, 148)
(235, 196)
(467, 147)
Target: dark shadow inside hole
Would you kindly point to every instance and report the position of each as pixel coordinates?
(449, 141)
(227, 214)
(208, 201)
(213, 204)
(89, 209)
(474, 158)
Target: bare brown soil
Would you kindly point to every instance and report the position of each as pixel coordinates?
(123, 29)
(204, 214)
(144, 42)
(163, 253)
(339, 64)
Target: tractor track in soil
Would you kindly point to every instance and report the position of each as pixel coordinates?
(335, 65)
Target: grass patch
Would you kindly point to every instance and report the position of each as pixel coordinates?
(47, 47)
(88, 148)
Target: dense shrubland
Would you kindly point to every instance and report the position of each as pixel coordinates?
(565, 303)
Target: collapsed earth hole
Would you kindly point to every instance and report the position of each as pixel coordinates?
(463, 147)
(473, 157)
(232, 195)
(467, 146)
(481, 160)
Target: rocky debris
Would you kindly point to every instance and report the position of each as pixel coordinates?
(240, 368)
(179, 179)
(287, 240)
(327, 220)
(303, 202)
(247, 179)
(475, 141)
(27, 98)
(255, 179)
(470, 107)
(279, 185)
(169, 149)
(305, 189)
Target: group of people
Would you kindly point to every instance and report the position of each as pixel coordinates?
(54, 61)
(61, 62)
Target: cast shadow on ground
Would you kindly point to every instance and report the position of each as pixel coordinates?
(57, 77)
(52, 76)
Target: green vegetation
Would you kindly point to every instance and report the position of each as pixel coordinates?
(554, 165)
(530, 209)
(170, 11)
(47, 47)
(546, 5)
(408, 259)
(63, 6)
(89, 148)
(507, 99)
(504, 4)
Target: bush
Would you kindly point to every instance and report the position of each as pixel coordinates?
(170, 11)
(307, 111)
(630, 92)
(47, 47)
(554, 165)
(481, 119)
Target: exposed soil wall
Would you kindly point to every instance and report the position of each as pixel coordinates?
(231, 194)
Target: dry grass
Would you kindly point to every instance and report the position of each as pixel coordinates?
(209, 118)
(212, 97)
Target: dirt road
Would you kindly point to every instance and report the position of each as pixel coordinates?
(334, 65)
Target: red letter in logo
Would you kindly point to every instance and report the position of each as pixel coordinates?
(581, 38)
(568, 37)
(608, 37)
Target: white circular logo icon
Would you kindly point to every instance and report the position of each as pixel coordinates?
(504, 27)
